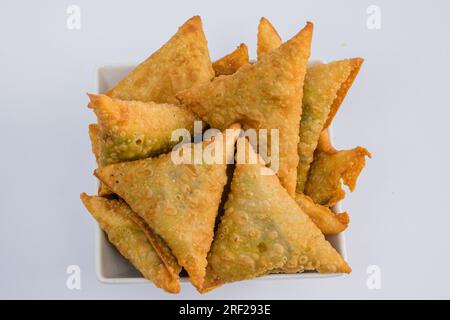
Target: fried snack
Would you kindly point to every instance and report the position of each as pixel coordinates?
(231, 63)
(94, 136)
(327, 221)
(326, 86)
(355, 65)
(264, 95)
(268, 38)
(322, 82)
(179, 202)
(158, 244)
(324, 143)
(130, 240)
(324, 180)
(179, 64)
(132, 130)
(263, 231)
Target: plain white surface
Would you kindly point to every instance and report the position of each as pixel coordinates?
(398, 108)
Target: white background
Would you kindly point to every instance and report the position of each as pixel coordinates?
(398, 108)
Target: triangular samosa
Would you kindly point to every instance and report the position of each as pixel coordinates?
(131, 130)
(268, 38)
(329, 168)
(322, 83)
(264, 231)
(130, 240)
(179, 201)
(264, 95)
(231, 63)
(326, 86)
(179, 64)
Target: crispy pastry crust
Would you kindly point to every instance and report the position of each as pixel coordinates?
(263, 231)
(232, 62)
(130, 240)
(264, 95)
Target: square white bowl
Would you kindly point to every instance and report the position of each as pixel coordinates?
(112, 267)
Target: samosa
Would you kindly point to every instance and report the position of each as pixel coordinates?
(178, 200)
(326, 220)
(232, 62)
(113, 217)
(263, 231)
(326, 86)
(322, 84)
(264, 95)
(131, 130)
(94, 136)
(324, 184)
(179, 64)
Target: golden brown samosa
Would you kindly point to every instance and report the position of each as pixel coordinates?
(130, 240)
(322, 83)
(232, 62)
(268, 38)
(131, 130)
(179, 201)
(94, 136)
(324, 143)
(326, 86)
(264, 95)
(327, 221)
(328, 168)
(355, 65)
(158, 244)
(263, 230)
(179, 64)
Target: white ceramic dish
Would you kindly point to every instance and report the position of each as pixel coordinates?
(111, 267)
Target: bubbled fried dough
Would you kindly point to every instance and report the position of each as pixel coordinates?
(130, 240)
(232, 62)
(179, 201)
(131, 130)
(179, 64)
(324, 184)
(263, 231)
(264, 95)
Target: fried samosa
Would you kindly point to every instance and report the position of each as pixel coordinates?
(179, 201)
(355, 66)
(263, 230)
(328, 168)
(264, 95)
(324, 143)
(268, 38)
(130, 240)
(326, 86)
(232, 62)
(179, 64)
(158, 244)
(326, 220)
(131, 130)
(322, 83)
(94, 136)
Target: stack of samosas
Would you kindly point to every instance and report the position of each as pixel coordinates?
(218, 221)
